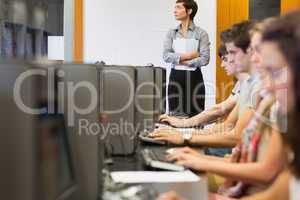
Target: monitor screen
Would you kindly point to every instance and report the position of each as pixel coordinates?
(54, 159)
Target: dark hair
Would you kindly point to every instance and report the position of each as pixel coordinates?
(226, 36)
(285, 33)
(222, 51)
(190, 4)
(240, 35)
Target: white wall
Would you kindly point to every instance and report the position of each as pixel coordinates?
(132, 32)
(69, 29)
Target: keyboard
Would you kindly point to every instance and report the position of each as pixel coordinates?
(144, 136)
(157, 159)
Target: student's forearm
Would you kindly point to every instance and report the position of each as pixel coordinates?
(207, 116)
(222, 139)
(199, 120)
(216, 158)
(255, 173)
(214, 113)
(221, 135)
(218, 128)
(203, 118)
(278, 191)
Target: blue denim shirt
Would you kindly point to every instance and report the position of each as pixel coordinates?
(194, 32)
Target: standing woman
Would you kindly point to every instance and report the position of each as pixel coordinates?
(186, 90)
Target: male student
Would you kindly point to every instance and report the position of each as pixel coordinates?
(228, 133)
(218, 111)
(222, 109)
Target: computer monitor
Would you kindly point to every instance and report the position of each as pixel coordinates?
(77, 90)
(55, 170)
(35, 155)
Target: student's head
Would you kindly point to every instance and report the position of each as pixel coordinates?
(256, 40)
(224, 60)
(280, 53)
(230, 69)
(185, 9)
(237, 46)
(282, 40)
(254, 51)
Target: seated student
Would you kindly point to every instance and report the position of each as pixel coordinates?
(219, 110)
(228, 133)
(257, 159)
(283, 38)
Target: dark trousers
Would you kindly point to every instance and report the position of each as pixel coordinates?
(186, 92)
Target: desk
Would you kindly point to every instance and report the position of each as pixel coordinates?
(191, 191)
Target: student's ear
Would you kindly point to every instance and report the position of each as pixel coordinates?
(190, 11)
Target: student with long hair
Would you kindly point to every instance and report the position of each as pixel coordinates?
(282, 39)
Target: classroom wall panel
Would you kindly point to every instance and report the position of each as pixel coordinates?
(289, 5)
(78, 32)
(229, 12)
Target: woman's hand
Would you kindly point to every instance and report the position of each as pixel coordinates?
(170, 196)
(173, 121)
(169, 135)
(189, 160)
(186, 150)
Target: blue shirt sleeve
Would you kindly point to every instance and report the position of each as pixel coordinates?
(204, 51)
(169, 56)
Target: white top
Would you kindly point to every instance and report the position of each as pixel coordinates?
(294, 188)
(236, 89)
(249, 90)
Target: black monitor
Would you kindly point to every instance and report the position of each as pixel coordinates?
(35, 154)
(77, 94)
(56, 178)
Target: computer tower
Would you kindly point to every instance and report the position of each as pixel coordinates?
(77, 89)
(29, 152)
(116, 108)
(160, 92)
(144, 98)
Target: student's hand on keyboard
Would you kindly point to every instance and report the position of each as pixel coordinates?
(169, 135)
(170, 196)
(186, 150)
(173, 121)
(188, 160)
